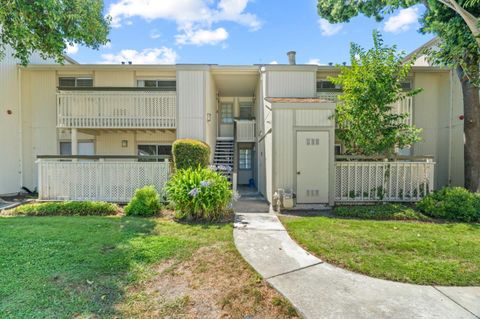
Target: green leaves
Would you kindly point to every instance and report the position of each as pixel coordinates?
(199, 194)
(47, 26)
(145, 202)
(366, 122)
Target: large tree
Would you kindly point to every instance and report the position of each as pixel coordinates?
(48, 26)
(456, 23)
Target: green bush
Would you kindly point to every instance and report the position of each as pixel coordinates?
(380, 212)
(66, 209)
(452, 203)
(145, 202)
(199, 194)
(190, 153)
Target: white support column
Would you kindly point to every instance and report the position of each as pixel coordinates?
(74, 140)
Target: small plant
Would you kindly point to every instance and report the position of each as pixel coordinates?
(452, 203)
(145, 202)
(65, 209)
(199, 194)
(190, 153)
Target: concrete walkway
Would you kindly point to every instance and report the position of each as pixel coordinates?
(319, 290)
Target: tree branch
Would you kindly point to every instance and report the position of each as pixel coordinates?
(471, 21)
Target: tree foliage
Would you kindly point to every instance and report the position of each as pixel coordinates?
(371, 85)
(460, 45)
(48, 26)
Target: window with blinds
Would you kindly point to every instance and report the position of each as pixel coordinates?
(72, 82)
(164, 85)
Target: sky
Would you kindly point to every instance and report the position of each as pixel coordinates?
(241, 32)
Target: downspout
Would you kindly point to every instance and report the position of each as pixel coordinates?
(20, 123)
(450, 131)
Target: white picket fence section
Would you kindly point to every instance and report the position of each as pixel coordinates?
(400, 181)
(245, 130)
(112, 181)
(116, 109)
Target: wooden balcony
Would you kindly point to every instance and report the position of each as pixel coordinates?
(116, 109)
(245, 131)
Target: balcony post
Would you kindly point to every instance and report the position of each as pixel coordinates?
(74, 140)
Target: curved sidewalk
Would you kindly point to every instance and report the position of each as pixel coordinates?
(320, 290)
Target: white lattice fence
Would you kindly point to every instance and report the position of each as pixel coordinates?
(113, 181)
(358, 181)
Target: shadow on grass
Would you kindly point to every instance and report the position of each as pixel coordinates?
(75, 266)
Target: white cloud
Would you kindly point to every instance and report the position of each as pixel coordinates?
(71, 49)
(195, 16)
(274, 62)
(314, 61)
(329, 29)
(202, 36)
(108, 45)
(154, 34)
(402, 21)
(161, 55)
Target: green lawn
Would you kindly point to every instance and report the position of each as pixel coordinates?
(416, 252)
(92, 267)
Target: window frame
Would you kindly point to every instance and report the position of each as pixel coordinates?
(248, 159)
(231, 113)
(140, 83)
(320, 88)
(245, 105)
(157, 145)
(76, 78)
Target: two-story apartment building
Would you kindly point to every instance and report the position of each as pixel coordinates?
(272, 123)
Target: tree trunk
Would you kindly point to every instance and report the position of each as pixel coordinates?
(471, 109)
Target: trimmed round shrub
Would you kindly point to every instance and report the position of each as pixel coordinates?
(199, 194)
(190, 153)
(145, 202)
(66, 209)
(452, 203)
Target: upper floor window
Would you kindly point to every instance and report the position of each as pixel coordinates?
(72, 82)
(325, 85)
(246, 110)
(406, 85)
(226, 113)
(164, 85)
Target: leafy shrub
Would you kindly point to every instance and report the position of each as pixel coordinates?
(380, 212)
(199, 194)
(452, 203)
(66, 209)
(145, 202)
(190, 153)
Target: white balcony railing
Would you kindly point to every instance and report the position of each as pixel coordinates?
(116, 109)
(402, 106)
(109, 180)
(245, 130)
(374, 181)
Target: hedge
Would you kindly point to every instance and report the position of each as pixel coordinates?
(188, 153)
(65, 209)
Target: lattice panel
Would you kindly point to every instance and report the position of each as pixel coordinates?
(382, 181)
(107, 181)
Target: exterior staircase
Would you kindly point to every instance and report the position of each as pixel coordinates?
(224, 156)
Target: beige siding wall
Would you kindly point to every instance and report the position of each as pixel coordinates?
(291, 83)
(191, 92)
(432, 109)
(260, 131)
(114, 78)
(267, 146)
(211, 112)
(39, 115)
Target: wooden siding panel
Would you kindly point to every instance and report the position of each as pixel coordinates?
(291, 84)
(191, 104)
(314, 118)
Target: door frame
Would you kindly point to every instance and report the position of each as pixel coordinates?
(331, 157)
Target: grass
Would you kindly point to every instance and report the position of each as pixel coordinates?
(380, 212)
(110, 267)
(415, 252)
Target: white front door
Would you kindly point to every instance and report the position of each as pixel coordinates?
(312, 167)
(226, 120)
